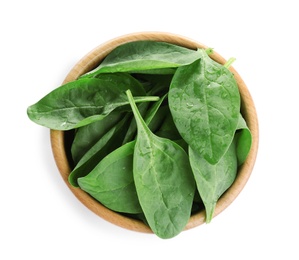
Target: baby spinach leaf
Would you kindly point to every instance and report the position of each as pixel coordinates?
(149, 112)
(111, 181)
(205, 103)
(79, 103)
(88, 135)
(243, 140)
(156, 114)
(132, 129)
(213, 180)
(109, 142)
(123, 81)
(111, 107)
(158, 118)
(168, 128)
(144, 55)
(163, 180)
(167, 71)
(182, 143)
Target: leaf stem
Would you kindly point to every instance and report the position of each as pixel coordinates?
(146, 98)
(139, 121)
(229, 62)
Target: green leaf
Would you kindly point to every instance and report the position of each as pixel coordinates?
(123, 81)
(111, 181)
(132, 129)
(144, 55)
(150, 113)
(79, 103)
(88, 135)
(163, 180)
(205, 104)
(167, 71)
(168, 128)
(213, 180)
(108, 142)
(108, 108)
(243, 139)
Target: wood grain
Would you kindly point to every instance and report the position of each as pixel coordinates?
(90, 61)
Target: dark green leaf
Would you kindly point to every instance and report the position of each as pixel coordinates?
(79, 103)
(152, 116)
(144, 55)
(205, 104)
(163, 179)
(167, 71)
(111, 181)
(168, 129)
(123, 81)
(109, 142)
(88, 135)
(243, 139)
(213, 180)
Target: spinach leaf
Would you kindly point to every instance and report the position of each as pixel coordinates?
(149, 112)
(213, 180)
(182, 143)
(144, 55)
(167, 71)
(243, 139)
(86, 136)
(156, 114)
(158, 119)
(111, 181)
(168, 128)
(109, 142)
(132, 129)
(163, 180)
(111, 107)
(205, 104)
(123, 81)
(79, 103)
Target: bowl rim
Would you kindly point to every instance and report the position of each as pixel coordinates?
(90, 61)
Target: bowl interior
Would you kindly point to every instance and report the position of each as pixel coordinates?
(60, 140)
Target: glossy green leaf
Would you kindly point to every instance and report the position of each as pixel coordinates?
(144, 55)
(111, 181)
(168, 128)
(108, 142)
(166, 71)
(88, 135)
(213, 180)
(132, 129)
(108, 108)
(163, 179)
(123, 81)
(205, 104)
(79, 103)
(152, 114)
(243, 140)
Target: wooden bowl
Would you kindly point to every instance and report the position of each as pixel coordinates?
(60, 140)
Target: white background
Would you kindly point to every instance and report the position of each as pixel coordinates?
(42, 40)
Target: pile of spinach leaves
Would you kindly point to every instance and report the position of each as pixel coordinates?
(158, 132)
